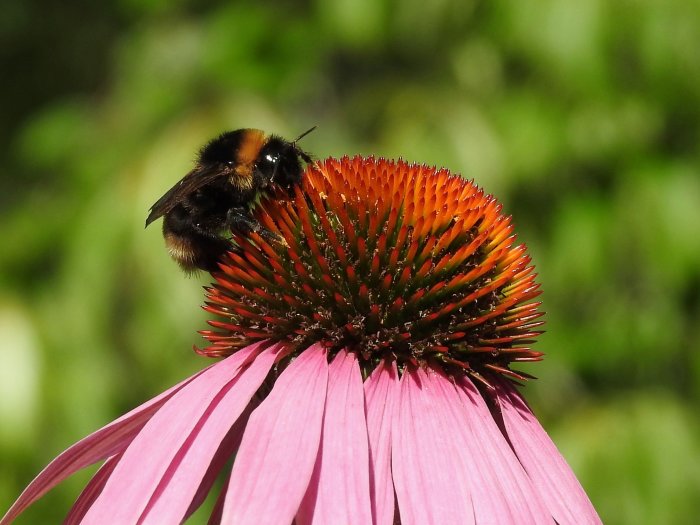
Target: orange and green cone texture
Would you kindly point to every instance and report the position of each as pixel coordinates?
(388, 259)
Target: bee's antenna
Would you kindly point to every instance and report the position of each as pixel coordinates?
(303, 135)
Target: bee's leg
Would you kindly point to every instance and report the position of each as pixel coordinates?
(240, 220)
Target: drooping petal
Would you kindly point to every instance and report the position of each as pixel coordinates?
(226, 450)
(495, 467)
(339, 487)
(431, 487)
(179, 485)
(381, 393)
(91, 491)
(101, 444)
(554, 479)
(276, 457)
(125, 495)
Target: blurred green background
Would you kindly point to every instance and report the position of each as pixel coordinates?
(582, 117)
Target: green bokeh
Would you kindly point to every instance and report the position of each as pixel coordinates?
(582, 117)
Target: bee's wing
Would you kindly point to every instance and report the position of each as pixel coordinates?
(191, 182)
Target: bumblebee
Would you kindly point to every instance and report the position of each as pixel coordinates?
(218, 194)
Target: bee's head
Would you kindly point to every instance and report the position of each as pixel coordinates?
(280, 161)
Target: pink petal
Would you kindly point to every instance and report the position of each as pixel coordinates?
(502, 491)
(381, 393)
(431, 486)
(179, 485)
(226, 450)
(339, 487)
(91, 491)
(101, 444)
(276, 457)
(145, 461)
(560, 489)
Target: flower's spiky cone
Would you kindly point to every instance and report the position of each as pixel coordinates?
(385, 258)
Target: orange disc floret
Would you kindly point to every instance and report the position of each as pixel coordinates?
(388, 259)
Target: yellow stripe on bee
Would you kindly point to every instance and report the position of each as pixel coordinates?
(180, 248)
(248, 152)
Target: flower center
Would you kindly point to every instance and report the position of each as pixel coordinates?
(384, 258)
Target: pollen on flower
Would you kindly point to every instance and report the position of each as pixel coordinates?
(385, 258)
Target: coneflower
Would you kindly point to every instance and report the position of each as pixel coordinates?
(367, 373)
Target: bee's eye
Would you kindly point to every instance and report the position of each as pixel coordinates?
(267, 163)
(268, 160)
(230, 163)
